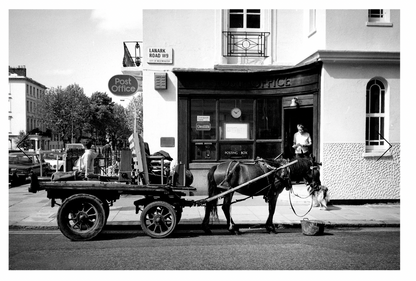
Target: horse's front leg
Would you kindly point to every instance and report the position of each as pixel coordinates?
(226, 207)
(205, 222)
(272, 198)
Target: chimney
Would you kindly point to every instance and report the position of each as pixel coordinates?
(20, 70)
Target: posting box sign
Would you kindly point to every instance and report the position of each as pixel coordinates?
(159, 55)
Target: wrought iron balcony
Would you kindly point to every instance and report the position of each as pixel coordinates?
(245, 44)
(128, 59)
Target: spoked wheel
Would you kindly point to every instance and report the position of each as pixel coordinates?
(81, 217)
(158, 219)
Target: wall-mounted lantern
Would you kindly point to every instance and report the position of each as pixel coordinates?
(295, 102)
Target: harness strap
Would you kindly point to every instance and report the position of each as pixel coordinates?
(228, 173)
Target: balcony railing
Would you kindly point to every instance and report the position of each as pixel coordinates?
(245, 44)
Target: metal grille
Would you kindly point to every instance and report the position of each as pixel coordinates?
(245, 44)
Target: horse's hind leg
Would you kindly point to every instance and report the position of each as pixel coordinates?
(226, 207)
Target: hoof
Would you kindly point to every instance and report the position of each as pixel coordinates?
(207, 230)
(270, 229)
(234, 230)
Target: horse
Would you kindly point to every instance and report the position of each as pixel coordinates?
(307, 170)
(231, 174)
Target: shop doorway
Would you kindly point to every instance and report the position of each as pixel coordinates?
(292, 117)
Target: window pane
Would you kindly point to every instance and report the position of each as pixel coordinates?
(269, 119)
(243, 115)
(374, 128)
(203, 119)
(375, 13)
(268, 150)
(236, 18)
(236, 151)
(253, 21)
(204, 151)
(382, 101)
(374, 99)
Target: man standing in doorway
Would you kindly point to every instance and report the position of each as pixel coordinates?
(302, 142)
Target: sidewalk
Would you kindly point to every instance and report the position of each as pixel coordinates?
(33, 210)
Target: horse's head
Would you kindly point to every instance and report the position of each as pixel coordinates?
(314, 177)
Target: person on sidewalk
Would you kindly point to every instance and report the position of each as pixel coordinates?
(87, 159)
(302, 142)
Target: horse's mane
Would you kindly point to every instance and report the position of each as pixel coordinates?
(273, 161)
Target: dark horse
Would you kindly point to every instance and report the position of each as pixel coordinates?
(230, 174)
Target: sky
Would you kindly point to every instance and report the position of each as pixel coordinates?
(60, 47)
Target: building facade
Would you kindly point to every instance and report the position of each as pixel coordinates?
(24, 108)
(233, 84)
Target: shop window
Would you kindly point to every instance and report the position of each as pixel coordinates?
(223, 129)
(236, 119)
(269, 119)
(375, 115)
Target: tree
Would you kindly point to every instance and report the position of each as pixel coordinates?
(117, 129)
(135, 104)
(101, 114)
(65, 111)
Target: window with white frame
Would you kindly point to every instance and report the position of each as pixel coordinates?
(244, 35)
(244, 19)
(379, 17)
(375, 115)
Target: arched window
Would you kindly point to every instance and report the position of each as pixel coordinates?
(375, 114)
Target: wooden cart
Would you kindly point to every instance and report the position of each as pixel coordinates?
(85, 204)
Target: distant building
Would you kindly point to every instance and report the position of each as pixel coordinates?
(24, 106)
(233, 84)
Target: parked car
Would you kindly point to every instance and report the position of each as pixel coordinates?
(22, 164)
(55, 160)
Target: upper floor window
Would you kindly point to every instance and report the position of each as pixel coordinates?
(379, 17)
(244, 36)
(375, 114)
(244, 18)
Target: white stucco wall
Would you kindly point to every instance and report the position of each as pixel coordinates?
(347, 171)
(195, 39)
(347, 30)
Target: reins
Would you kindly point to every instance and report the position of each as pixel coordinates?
(291, 205)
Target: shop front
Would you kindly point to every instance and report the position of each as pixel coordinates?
(241, 114)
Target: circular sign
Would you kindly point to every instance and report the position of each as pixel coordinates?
(123, 85)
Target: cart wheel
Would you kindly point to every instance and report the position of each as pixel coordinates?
(158, 219)
(81, 217)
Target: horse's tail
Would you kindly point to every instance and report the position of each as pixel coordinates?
(212, 190)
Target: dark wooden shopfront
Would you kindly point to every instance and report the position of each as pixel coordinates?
(246, 112)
